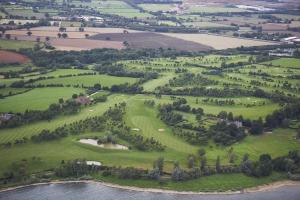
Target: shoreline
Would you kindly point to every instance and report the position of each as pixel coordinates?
(261, 188)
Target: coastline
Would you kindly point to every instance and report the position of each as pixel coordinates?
(261, 188)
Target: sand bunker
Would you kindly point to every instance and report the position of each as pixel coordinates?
(105, 146)
(161, 130)
(95, 163)
(136, 129)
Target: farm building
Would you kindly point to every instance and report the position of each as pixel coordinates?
(282, 52)
(290, 40)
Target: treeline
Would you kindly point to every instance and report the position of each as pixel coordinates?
(276, 96)
(263, 167)
(66, 59)
(191, 79)
(121, 71)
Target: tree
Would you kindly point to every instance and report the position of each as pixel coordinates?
(222, 115)
(47, 38)
(218, 164)
(125, 43)
(264, 165)
(201, 152)
(7, 36)
(257, 127)
(191, 161)
(74, 96)
(203, 162)
(38, 39)
(97, 86)
(59, 35)
(159, 164)
(29, 33)
(177, 174)
(61, 101)
(230, 116)
(86, 35)
(64, 35)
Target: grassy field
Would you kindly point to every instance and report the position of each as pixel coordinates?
(157, 7)
(36, 99)
(15, 45)
(88, 80)
(213, 9)
(286, 62)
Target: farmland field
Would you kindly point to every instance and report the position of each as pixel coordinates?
(7, 57)
(15, 45)
(218, 42)
(151, 40)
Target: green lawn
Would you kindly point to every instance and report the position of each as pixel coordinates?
(36, 99)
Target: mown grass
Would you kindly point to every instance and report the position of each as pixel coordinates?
(36, 99)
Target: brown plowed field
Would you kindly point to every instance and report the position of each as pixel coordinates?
(8, 57)
(151, 40)
(84, 44)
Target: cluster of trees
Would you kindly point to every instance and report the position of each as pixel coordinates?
(191, 79)
(196, 137)
(138, 141)
(265, 165)
(120, 70)
(150, 103)
(283, 116)
(75, 168)
(226, 133)
(62, 107)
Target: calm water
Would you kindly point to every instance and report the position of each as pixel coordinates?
(93, 191)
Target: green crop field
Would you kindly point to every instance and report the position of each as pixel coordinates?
(16, 45)
(36, 99)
